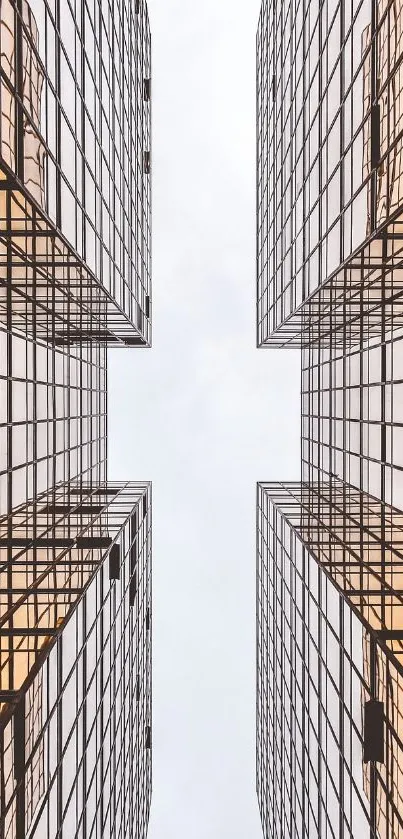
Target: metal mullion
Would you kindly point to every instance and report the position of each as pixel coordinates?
(19, 119)
(10, 449)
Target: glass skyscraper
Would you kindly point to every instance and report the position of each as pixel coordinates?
(75, 549)
(330, 602)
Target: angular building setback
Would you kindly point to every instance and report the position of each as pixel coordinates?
(330, 603)
(329, 193)
(75, 725)
(329, 650)
(75, 160)
(75, 549)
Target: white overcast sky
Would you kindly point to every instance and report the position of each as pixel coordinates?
(204, 415)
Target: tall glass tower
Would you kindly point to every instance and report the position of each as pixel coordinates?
(75, 549)
(330, 599)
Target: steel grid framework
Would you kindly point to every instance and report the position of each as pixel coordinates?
(53, 421)
(329, 194)
(329, 548)
(75, 684)
(49, 289)
(75, 551)
(75, 152)
(329, 640)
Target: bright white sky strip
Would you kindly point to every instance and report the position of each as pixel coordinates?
(204, 415)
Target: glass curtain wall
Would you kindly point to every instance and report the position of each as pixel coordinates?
(329, 121)
(75, 550)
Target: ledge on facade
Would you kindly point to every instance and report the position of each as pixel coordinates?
(50, 550)
(362, 298)
(46, 288)
(358, 541)
(71, 644)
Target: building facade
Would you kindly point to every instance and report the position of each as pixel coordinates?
(329, 653)
(329, 192)
(75, 725)
(75, 549)
(330, 628)
(75, 166)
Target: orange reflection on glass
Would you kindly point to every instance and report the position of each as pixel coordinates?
(389, 784)
(359, 543)
(21, 108)
(389, 99)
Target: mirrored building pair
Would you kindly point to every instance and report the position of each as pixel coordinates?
(75, 549)
(330, 545)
